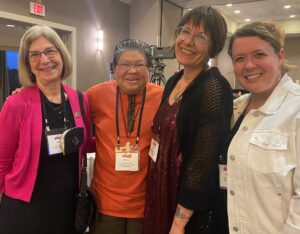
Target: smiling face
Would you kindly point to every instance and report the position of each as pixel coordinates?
(47, 69)
(189, 53)
(131, 72)
(256, 65)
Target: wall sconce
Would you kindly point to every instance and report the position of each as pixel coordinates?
(99, 40)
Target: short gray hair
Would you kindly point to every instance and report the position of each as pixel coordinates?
(132, 44)
(25, 75)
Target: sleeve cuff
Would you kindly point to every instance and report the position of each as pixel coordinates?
(196, 200)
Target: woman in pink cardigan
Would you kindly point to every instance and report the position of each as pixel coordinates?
(38, 178)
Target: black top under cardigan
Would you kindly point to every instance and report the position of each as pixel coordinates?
(203, 122)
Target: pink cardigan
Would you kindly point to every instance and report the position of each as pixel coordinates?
(20, 140)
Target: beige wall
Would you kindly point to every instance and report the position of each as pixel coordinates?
(293, 56)
(141, 20)
(144, 20)
(86, 16)
(145, 23)
(170, 18)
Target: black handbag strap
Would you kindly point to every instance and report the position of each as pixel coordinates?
(83, 180)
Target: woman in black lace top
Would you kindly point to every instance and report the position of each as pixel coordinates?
(190, 126)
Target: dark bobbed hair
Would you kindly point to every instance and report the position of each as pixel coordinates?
(132, 44)
(33, 33)
(268, 31)
(213, 22)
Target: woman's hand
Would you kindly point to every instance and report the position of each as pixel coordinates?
(17, 90)
(181, 218)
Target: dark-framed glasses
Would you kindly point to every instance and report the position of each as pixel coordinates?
(184, 33)
(127, 66)
(51, 53)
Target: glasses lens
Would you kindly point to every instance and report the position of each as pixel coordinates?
(184, 33)
(50, 53)
(126, 66)
(200, 37)
(34, 56)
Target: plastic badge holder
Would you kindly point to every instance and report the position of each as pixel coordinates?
(71, 140)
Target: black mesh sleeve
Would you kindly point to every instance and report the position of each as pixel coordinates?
(199, 179)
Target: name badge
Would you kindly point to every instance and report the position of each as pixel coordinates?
(223, 176)
(127, 158)
(54, 144)
(153, 152)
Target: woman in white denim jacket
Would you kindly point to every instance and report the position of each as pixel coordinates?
(263, 181)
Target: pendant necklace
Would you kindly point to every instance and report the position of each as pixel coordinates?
(178, 95)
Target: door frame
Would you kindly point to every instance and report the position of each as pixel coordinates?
(70, 43)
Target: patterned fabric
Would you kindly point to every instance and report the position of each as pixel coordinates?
(202, 123)
(131, 113)
(161, 196)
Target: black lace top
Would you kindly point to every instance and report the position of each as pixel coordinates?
(203, 122)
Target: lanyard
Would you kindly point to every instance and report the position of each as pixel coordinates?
(140, 118)
(45, 100)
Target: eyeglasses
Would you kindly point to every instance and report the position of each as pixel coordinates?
(35, 56)
(127, 66)
(184, 33)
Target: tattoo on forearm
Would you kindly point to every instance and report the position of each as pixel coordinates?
(179, 214)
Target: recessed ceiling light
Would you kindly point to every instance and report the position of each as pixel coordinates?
(10, 26)
(237, 11)
(287, 6)
(247, 20)
(229, 5)
(292, 16)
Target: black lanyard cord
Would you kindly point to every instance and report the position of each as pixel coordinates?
(63, 100)
(128, 132)
(140, 117)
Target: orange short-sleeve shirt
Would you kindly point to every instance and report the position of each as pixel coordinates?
(120, 193)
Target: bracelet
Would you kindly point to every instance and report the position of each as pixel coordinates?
(179, 214)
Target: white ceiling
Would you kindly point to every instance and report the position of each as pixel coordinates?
(252, 9)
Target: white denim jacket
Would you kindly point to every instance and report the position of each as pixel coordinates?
(263, 165)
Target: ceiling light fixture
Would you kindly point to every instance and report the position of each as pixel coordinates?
(292, 16)
(237, 12)
(10, 25)
(287, 6)
(229, 5)
(247, 20)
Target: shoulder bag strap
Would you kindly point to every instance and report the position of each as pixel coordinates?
(83, 180)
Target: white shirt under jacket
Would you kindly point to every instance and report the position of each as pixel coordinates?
(263, 165)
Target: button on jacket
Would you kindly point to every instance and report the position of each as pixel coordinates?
(263, 165)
